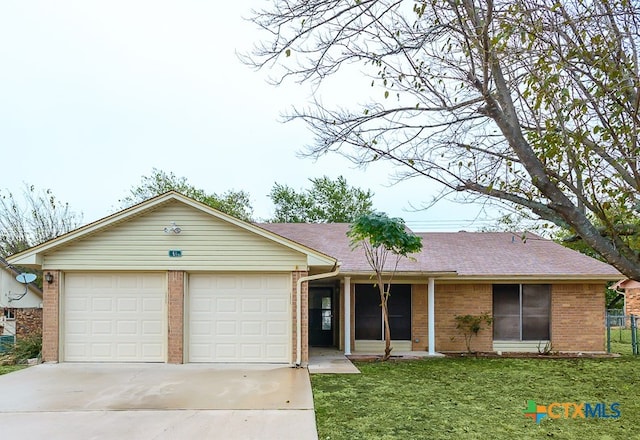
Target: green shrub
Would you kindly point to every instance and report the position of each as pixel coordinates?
(26, 348)
(470, 325)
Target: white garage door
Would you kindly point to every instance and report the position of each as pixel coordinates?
(239, 318)
(114, 317)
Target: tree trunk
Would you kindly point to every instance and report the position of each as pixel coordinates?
(384, 298)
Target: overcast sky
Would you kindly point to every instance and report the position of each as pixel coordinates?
(94, 95)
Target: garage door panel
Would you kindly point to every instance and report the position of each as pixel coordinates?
(200, 328)
(153, 350)
(102, 305)
(250, 318)
(125, 283)
(100, 328)
(252, 328)
(201, 351)
(225, 352)
(277, 305)
(76, 327)
(153, 304)
(152, 329)
(276, 329)
(114, 318)
(252, 305)
(226, 328)
(221, 282)
(202, 305)
(101, 351)
(76, 350)
(253, 283)
(226, 305)
(100, 282)
(278, 283)
(127, 304)
(127, 327)
(277, 350)
(127, 351)
(77, 304)
(252, 351)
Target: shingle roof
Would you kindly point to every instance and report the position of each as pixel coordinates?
(469, 254)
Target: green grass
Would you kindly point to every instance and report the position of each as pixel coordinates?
(5, 369)
(475, 399)
(621, 341)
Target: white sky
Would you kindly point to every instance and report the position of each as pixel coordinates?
(93, 95)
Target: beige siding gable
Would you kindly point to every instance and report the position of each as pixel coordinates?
(207, 243)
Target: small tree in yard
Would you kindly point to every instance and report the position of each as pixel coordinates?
(470, 326)
(383, 239)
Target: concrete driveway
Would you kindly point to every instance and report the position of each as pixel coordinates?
(157, 401)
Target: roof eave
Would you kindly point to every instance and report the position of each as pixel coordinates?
(506, 278)
(399, 274)
(497, 278)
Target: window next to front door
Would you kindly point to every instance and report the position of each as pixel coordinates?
(521, 312)
(368, 313)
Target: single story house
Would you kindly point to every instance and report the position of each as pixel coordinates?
(173, 280)
(20, 304)
(631, 290)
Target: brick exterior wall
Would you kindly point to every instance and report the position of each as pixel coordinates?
(175, 342)
(461, 299)
(419, 318)
(577, 317)
(304, 310)
(28, 322)
(632, 302)
(51, 318)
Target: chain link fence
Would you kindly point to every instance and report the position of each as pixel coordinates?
(622, 332)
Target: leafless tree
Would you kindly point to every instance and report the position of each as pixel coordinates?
(35, 219)
(529, 102)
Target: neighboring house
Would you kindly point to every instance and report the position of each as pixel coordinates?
(20, 304)
(173, 280)
(631, 289)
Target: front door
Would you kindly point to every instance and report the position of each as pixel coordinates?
(321, 321)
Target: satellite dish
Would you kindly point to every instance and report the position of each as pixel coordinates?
(26, 278)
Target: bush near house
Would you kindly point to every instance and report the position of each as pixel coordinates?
(470, 326)
(25, 348)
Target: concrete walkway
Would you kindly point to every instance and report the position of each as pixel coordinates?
(157, 401)
(329, 361)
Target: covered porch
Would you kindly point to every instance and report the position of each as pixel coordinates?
(345, 314)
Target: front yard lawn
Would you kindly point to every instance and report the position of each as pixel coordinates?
(4, 369)
(471, 398)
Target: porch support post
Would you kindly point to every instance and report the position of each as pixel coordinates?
(431, 316)
(347, 316)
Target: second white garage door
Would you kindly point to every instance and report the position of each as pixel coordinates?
(239, 318)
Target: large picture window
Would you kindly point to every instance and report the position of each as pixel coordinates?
(368, 313)
(521, 312)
